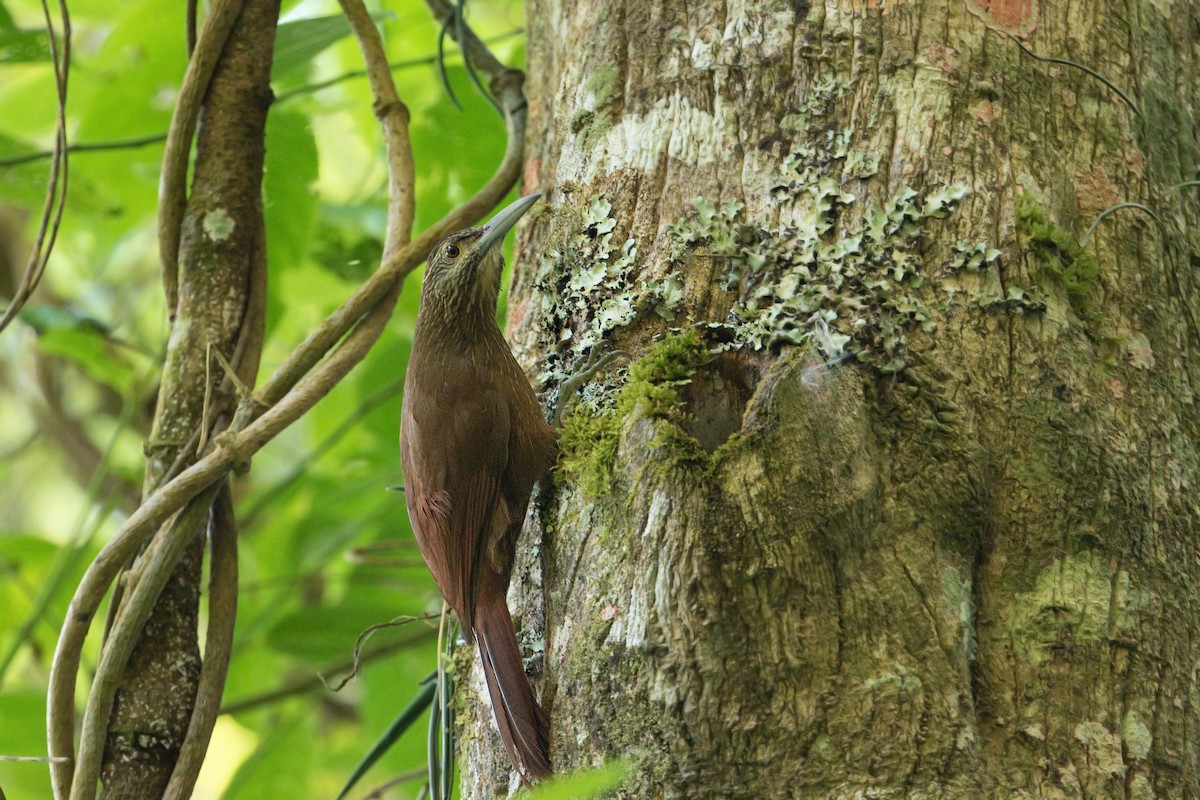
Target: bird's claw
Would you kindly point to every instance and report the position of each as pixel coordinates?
(596, 362)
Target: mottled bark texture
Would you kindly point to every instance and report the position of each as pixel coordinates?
(961, 562)
(221, 281)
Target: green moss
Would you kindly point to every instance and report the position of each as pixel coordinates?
(589, 438)
(590, 126)
(591, 123)
(589, 444)
(580, 120)
(602, 83)
(1058, 254)
(653, 377)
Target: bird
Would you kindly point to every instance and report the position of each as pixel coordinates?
(473, 442)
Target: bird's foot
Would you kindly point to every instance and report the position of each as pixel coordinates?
(596, 362)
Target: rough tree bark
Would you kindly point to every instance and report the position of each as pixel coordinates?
(221, 307)
(906, 507)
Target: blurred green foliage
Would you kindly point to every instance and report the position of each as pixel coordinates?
(593, 782)
(77, 368)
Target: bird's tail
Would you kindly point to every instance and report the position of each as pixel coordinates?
(523, 725)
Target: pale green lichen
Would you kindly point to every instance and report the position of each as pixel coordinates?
(1139, 351)
(1077, 599)
(969, 271)
(957, 592)
(842, 276)
(1103, 748)
(1035, 731)
(860, 164)
(586, 264)
(846, 279)
(898, 680)
(1136, 735)
(808, 281)
(972, 257)
(602, 83)
(218, 226)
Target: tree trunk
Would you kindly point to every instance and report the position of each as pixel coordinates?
(221, 307)
(896, 497)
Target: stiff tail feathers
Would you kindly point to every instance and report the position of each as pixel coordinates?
(523, 725)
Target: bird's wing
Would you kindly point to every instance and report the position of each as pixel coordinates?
(478, 508)
(533, 444)
(455, 452)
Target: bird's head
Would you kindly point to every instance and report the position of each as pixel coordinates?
(462, 274)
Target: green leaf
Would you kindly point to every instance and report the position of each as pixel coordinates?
(584, 783)
(23, 46)
(82, 341)
(399, 726)
(327, 633)
(22, 734)
(299, 41)
(22, 184)
(24, 562)
(289, 202)
(127, 86)
(22, 711)
(281, 766)
(472, 139)
(349, 239)
(254, 669)
(89, 350)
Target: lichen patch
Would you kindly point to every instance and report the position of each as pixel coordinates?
(674, 129)
(1136, 735)
(1103, 748)
(1076, 600)
(218, 225)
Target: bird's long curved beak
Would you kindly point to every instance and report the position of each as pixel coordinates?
(499, 226)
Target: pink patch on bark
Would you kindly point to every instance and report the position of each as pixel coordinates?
(1018, 17)
(1134, 160)
(517, 313)
(945, 57)
(984, 112)
(1094, 192)
(529, 179)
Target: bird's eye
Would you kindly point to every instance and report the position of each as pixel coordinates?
(451, 251)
